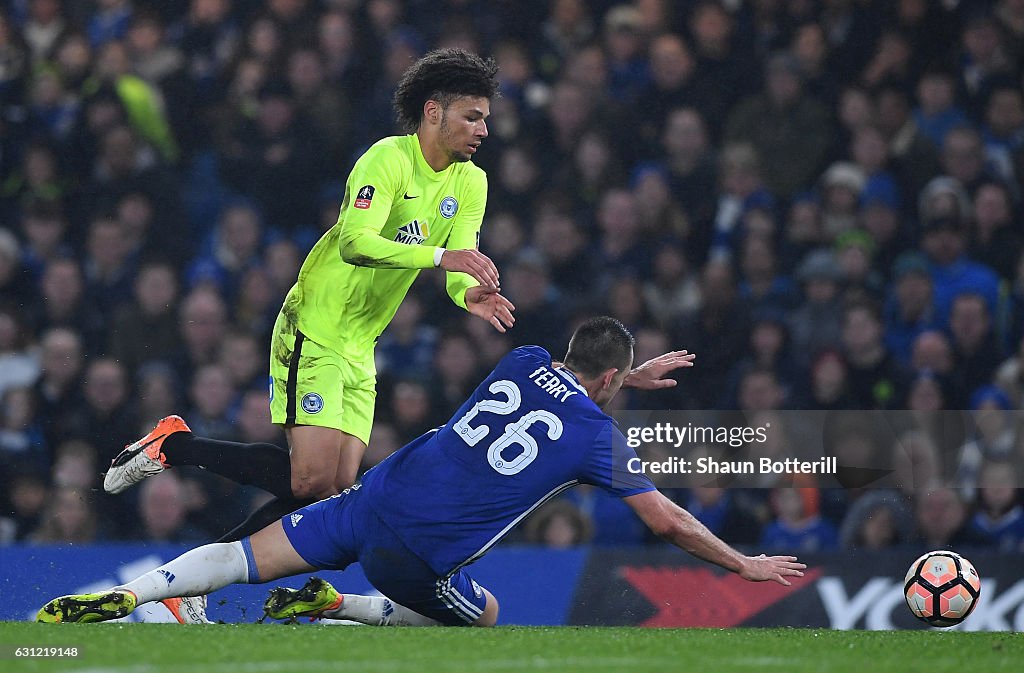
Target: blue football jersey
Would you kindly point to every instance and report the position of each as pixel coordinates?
(527, 433)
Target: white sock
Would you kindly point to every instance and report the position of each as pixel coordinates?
(378, 611)
(194, 573)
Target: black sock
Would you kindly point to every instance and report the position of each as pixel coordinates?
(263, 465)
(267, 514)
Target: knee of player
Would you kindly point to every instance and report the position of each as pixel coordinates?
(305, 487)
(490, 614)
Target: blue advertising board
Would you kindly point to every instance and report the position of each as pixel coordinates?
(533, 586)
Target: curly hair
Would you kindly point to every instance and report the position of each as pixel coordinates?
(442, 75)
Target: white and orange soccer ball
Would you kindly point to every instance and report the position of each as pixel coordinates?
(942, 588)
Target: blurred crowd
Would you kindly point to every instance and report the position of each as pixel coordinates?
(821, 199)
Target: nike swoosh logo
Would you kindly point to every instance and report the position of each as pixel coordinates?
(128, 455)
(406, 196)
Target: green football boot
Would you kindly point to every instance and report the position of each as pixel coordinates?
(312, 600)
(88, 607)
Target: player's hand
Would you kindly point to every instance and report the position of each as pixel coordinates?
(491, 306)
(475, 263)
(651, 374)
(772, 568)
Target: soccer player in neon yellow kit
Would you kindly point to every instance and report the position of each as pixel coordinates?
(411, 202)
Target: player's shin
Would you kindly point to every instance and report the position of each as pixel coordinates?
(196, 573)
(377, 611)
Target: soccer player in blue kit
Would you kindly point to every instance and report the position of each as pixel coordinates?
(531, 430)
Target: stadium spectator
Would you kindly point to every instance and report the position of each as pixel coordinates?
(164, 513)
(20, 433)
(689, 157)
(841, 187)
(407, 346)
(976, 350)
(560, 524)
(814, 325)
(202, 325)
(561, 241)
(797, 524)
(941, 517)
(411, 409)
(763, 285)
(528, 285)
(234, 247)
(909, 307)
(829, 386)
(253, 420)
(1000, 516)
(876, 520)
(213, 394)
(742, 192)
(44, 228)
(107, 418)
(916, 460)
(16, 287)
(158, 392)
(769, 350)
(937, 112)
(876, 379)
(457, 366)
(241, 356)
(108, 271)
(385, 442)
(963, 159)
(19, 364)
(993, 236)
(145, 329)
(993, 439)
(673, 84)
(717, 330)
(75, 466)
(1003, 132)
(26, 492)
(69, 517)
(58, 390)
(673, 289)
(1010, 376)
(784, 121)
(720, 510)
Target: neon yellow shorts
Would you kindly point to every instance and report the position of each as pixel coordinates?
(311, 384)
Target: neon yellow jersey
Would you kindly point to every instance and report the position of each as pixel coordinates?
(396, 212)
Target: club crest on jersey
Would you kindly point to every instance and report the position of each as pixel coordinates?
(312, 403)
(413, 233)
(449, 206)
(363, 197)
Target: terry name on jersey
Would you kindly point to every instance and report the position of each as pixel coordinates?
(552, 383)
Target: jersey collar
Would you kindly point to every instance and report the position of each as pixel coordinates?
(421, 162)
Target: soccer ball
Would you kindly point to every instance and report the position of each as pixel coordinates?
(942, 588)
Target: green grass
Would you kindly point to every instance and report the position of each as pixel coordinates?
(300, 648)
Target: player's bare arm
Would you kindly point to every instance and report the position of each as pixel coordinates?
(674, 524)
(651, 374)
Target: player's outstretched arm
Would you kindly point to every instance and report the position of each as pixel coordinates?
(651, 374)
(489, 305)
(673, 523)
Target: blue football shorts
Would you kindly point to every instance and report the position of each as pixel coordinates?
(341, 530)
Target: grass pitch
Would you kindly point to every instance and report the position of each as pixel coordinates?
(301, 648)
